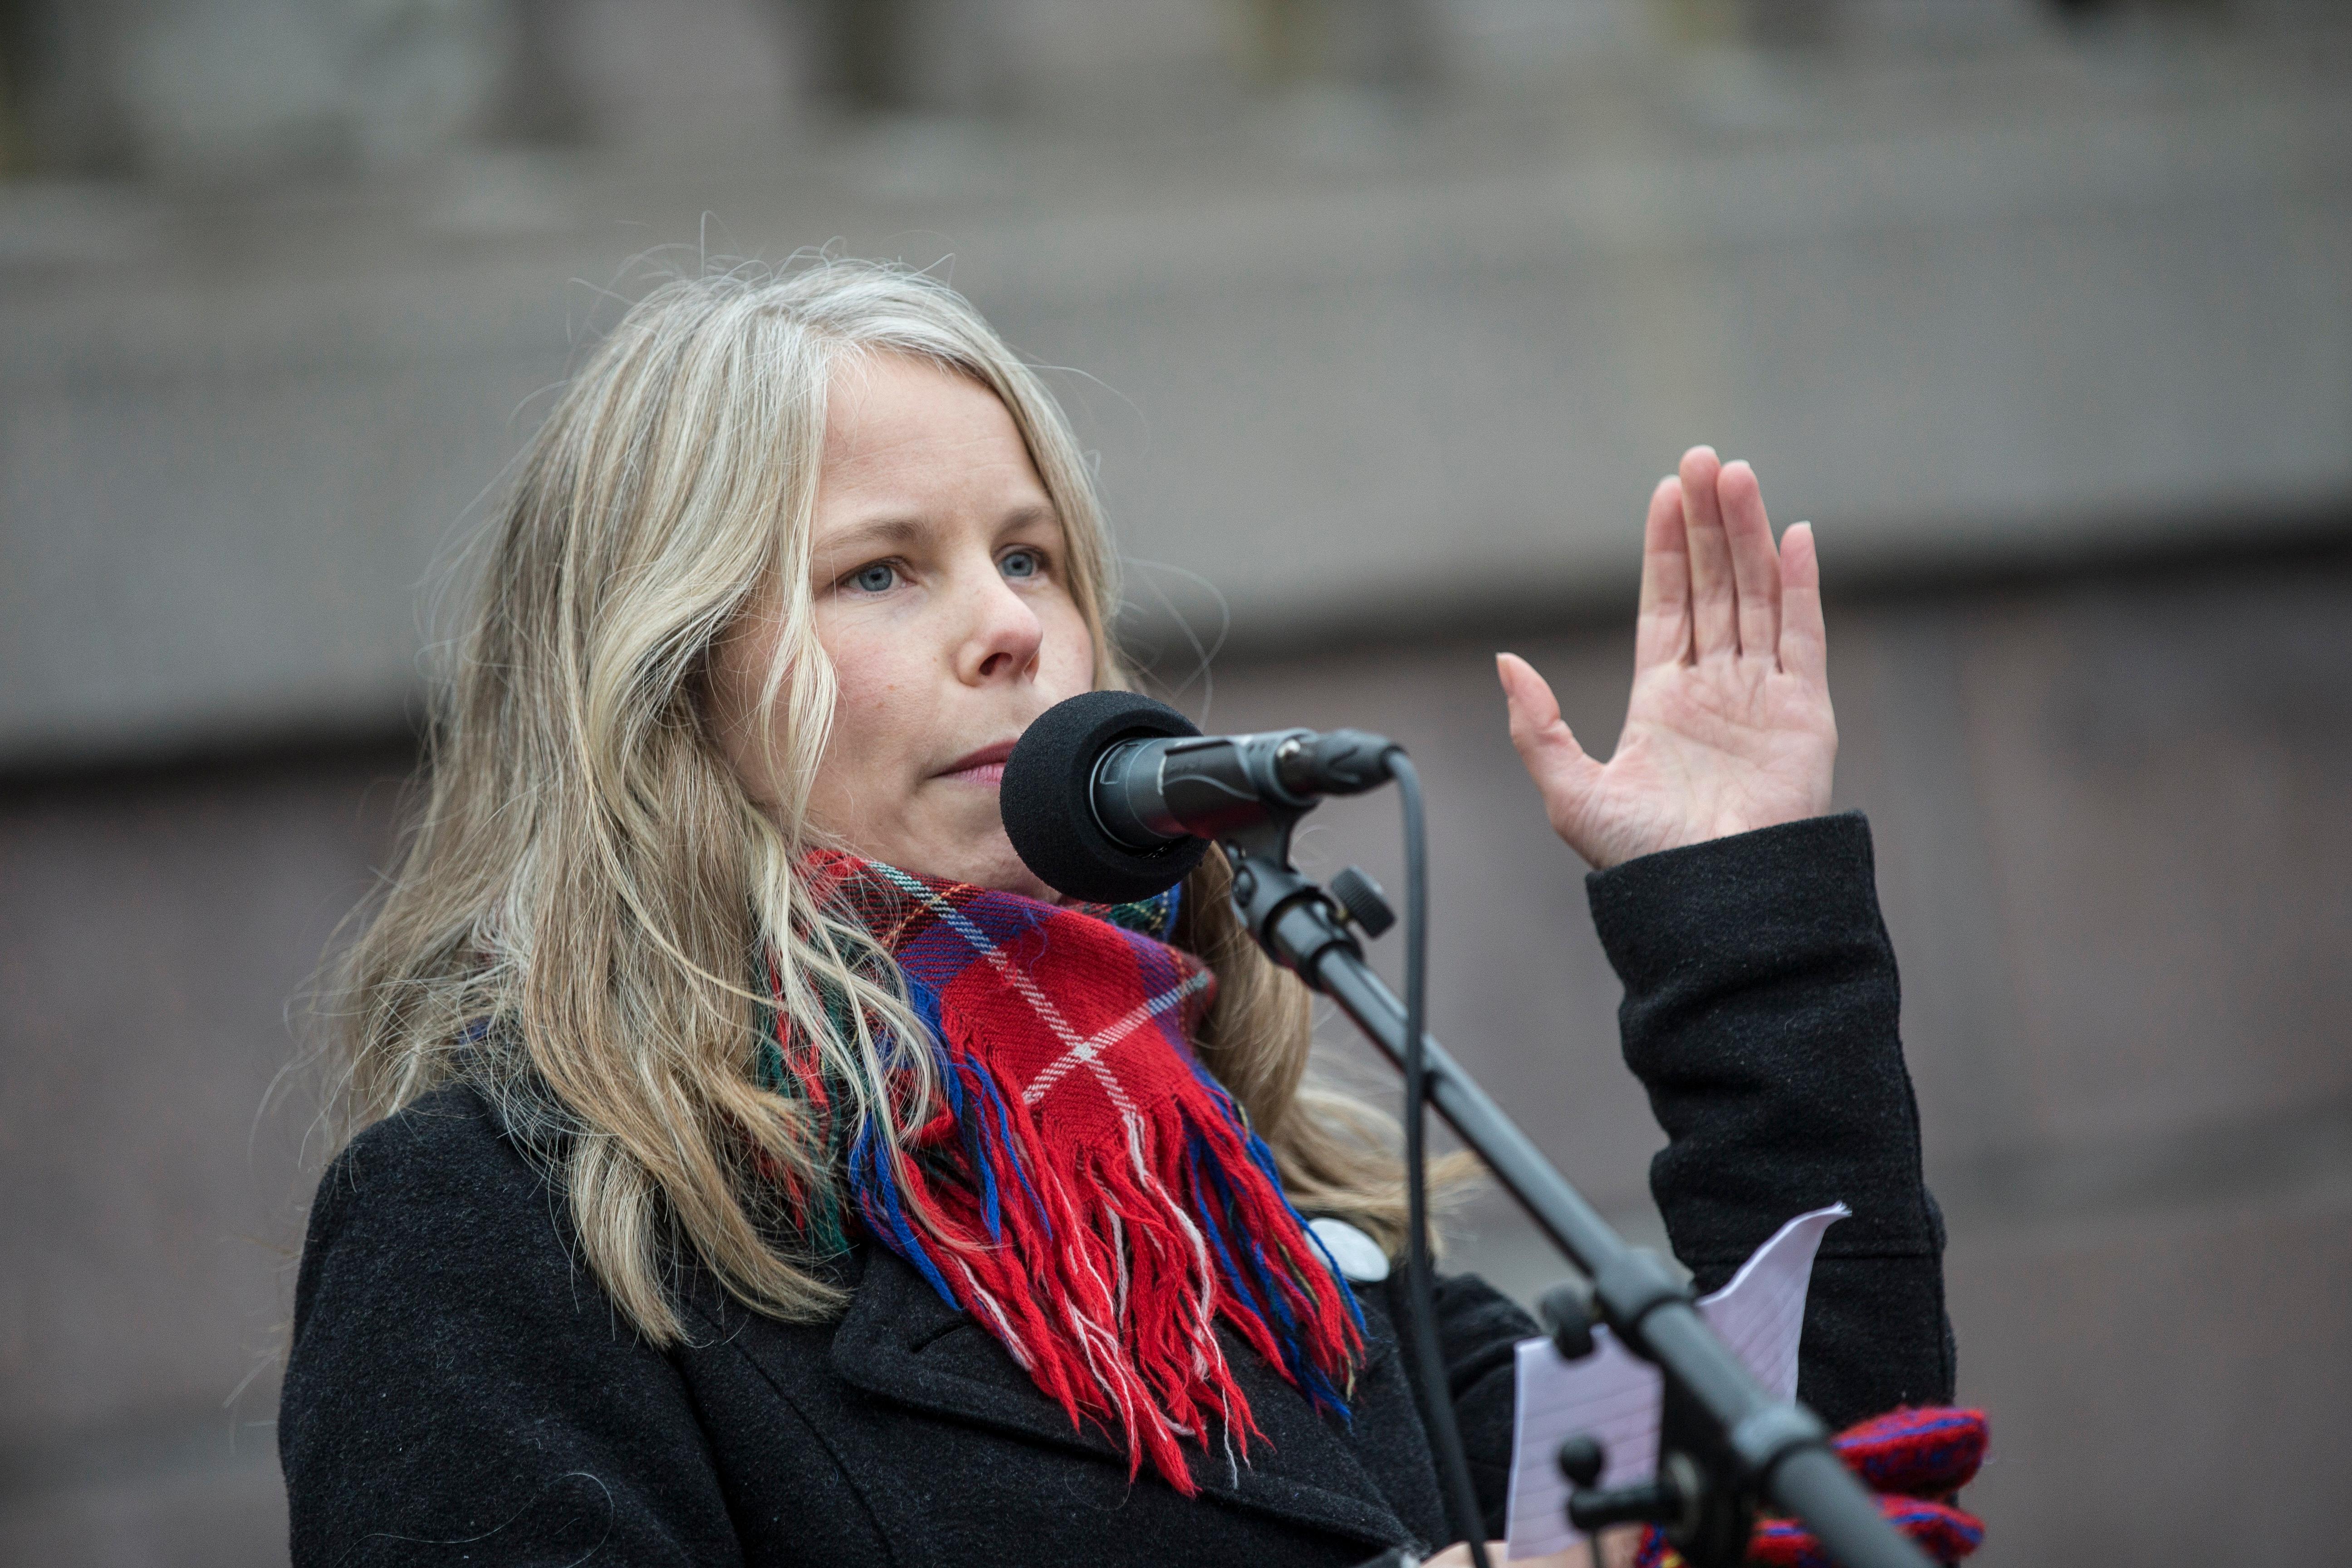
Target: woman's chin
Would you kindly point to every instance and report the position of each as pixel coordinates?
(1006, 873)
(984, 860)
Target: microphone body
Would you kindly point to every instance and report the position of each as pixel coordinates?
(1147, 793)
(1111, 797)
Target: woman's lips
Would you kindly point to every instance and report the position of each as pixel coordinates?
(984, 766)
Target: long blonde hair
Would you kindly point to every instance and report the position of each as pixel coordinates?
(588, 895)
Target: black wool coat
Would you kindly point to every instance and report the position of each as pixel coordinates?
(460, 1390)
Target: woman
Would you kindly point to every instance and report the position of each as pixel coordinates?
(705, 1212)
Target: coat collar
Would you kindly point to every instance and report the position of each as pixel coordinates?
(901, 1341)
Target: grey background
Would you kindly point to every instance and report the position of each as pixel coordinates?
(1381, 316)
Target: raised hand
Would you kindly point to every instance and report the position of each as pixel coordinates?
(1729, 727)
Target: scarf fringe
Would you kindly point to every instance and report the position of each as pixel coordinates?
(1105, 1281)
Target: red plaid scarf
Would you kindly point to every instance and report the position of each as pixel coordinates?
(1087, 1190)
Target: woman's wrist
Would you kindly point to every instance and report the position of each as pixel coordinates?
(1733, 898)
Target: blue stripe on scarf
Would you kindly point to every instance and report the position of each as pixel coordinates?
(1262, 1158)
(1207, 1215)
(1286, 1325)
(1261, 1295)
(974, 1130)
(869, 1155)
(1012, 1150)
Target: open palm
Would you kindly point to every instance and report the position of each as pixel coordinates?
(1729, 727)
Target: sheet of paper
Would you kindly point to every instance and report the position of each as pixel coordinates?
(1616, 1396)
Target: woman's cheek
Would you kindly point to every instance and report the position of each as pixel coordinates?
(865, 668)
(1069, 662)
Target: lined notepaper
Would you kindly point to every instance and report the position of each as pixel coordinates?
(1616, 1396)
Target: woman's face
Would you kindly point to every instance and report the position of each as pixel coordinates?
(942, 596)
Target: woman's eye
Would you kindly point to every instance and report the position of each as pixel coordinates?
(1022, 564)
(878, 578)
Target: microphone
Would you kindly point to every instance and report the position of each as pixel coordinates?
(1111, 797)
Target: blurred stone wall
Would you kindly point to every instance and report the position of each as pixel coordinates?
(1381, 315)
(158, 931)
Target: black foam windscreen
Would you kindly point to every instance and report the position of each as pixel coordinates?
(1047, 800)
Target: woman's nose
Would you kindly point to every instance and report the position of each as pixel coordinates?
(1003, 637)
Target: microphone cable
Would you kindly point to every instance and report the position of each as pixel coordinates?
(1419, 1290)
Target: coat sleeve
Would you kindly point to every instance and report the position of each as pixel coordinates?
(1760, 1013)
(459, 1390)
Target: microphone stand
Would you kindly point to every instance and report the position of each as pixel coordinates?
(1726, 1442)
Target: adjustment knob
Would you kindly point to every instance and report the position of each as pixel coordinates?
(1566, 1311)
(1363, 898)
(1581, 1460)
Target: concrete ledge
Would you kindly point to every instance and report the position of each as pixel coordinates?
(2048, 303)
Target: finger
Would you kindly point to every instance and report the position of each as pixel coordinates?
(1662, 633)
(1754, 567)
(1458, 1556)
(1575, 1556)
(1561, 771)
(1714, 598)
(1805, 638)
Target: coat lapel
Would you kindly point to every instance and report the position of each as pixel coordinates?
(899, 1341)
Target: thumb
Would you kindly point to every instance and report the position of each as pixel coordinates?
(1562, 772)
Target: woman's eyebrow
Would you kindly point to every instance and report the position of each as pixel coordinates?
(1028, 516)
(872, 533)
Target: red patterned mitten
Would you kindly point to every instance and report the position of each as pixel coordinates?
(1912, 1457)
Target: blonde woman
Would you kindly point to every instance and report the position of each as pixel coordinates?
(723, 1191)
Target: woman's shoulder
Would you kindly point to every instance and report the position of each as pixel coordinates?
(447, 1145)
(438, 1185)
(455, 1371)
